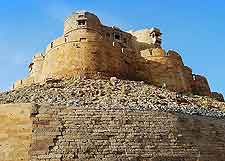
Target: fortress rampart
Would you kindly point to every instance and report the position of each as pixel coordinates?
(88, 48)
(41, 133)
(166, 69)
(200, 85)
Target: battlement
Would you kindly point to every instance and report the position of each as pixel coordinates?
(79, 20)
(148, 38)
(188, 69)
(87, 47)
(200, 85)
(173, 54)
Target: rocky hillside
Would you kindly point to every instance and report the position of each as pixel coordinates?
(114, 92)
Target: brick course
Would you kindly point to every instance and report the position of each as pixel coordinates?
(92, 133)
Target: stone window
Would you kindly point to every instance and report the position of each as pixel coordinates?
(83, 39)
(117, 36)
(30, 67)
(66, 39)
(81, 22)
(52, 44)
(77, 45)
(81, 16)
(152, 35)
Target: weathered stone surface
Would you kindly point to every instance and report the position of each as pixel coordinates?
(15, 132)
(79, 92)
(89, 49)
(109, 132)
(200, 85)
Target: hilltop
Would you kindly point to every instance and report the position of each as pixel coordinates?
(104, 93)
(89, 48)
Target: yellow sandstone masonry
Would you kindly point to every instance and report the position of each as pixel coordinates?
(90, 49)
(57, 133)
(53, 133)
(15, 132)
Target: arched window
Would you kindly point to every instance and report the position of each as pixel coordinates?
(81, 22)
(81, 16)
(117, 36)
(52, 44)
(66, 39)
(30, 67)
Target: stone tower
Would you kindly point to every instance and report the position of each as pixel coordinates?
(91, 49)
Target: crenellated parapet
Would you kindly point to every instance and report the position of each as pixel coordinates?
(82, 20)
(166, 69)
(200, 85)
(148, 38)
(87, 47)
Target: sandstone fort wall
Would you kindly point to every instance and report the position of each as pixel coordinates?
(89, 48)
(93, 133)
(167, 69)
(200, 85)
(15, 132)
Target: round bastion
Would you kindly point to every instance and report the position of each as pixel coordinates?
(89, 49)
(81, 19)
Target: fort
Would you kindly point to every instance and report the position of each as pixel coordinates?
(93, 95)
(88, 48)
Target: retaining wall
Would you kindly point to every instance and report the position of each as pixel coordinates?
(96, 133)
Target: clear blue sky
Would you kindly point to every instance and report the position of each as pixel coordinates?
(195, 28)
